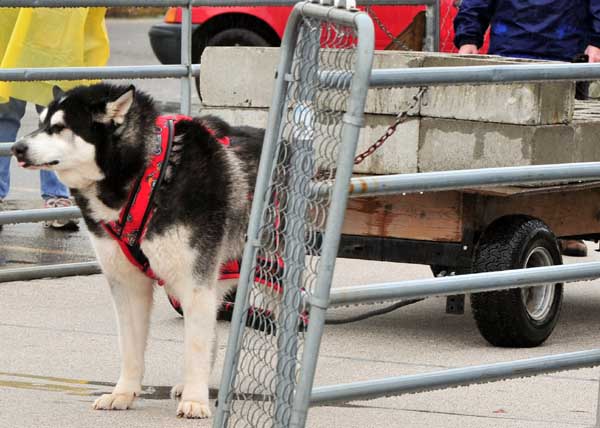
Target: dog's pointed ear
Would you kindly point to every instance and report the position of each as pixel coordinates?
(57, 93)
(117, 109)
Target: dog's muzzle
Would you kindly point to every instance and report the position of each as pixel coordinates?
(19, 150)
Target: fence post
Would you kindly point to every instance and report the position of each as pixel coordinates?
(186, 58)
(272, 134)
(432, 27)
(352, 124)
(597, 424)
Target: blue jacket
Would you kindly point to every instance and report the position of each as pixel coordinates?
(542, 29)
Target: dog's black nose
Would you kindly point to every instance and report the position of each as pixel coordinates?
(19, 149)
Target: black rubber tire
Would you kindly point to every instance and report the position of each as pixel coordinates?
(502, 316)
(230, 37)
(438, 270)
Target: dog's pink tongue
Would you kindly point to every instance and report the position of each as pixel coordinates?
(21, 163)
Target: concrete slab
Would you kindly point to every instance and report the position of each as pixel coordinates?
(524, 103)
(223, 85)
(398, 155)
(60, 352)
(447, 144)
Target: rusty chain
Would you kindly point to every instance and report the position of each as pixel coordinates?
(400, 118)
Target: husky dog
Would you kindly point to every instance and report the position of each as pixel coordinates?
(100, 139)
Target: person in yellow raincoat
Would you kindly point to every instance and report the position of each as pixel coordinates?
(45, 37)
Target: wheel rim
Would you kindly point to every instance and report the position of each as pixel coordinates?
(538, 300)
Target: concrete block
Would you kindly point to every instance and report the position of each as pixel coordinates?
(397, 155)
(243, 77)
(438, 144)
(393, 100)
(238, 76)
(520, 103)
(447, 144)
(525, 104)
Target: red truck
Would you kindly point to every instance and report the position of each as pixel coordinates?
(264, 26)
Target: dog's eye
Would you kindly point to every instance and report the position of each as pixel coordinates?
(55, 129)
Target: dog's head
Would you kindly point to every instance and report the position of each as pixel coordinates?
(75, 127)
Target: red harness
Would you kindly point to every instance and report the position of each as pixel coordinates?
(130, 229)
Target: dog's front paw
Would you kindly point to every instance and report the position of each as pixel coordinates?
(193, 410)
(177, 391)
(114, 401)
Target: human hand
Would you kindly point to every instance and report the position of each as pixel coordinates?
(472, 50)
(593, 53)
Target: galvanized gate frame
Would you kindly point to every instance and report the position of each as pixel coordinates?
(321, 297)
(291, 401)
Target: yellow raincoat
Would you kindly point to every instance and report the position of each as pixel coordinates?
(49, 37)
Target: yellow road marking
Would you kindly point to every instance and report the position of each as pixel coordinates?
(72, 390)
(48, 378)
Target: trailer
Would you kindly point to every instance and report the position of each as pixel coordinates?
(481, 230)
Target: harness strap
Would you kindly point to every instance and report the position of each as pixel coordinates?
(130, 229)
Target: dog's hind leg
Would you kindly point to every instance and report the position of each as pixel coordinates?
(199, 303)
(133, 302)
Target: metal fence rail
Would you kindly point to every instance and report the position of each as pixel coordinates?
(93, 73)
(454, 377)
(50, 271)
(471, 283)
(33, 216)
(469, 178)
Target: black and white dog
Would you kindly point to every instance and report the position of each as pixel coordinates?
(101, 140)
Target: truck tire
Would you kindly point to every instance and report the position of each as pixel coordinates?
(231, 37)
(522, 317)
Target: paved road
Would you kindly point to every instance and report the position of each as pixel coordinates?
(59, 352)
(58, 346)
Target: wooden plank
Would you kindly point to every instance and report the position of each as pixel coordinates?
(430, 216)
(569, 212)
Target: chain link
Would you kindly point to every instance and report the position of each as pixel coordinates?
(400, 118)
(394, 39)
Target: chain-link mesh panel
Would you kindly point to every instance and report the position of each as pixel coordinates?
(292, 228)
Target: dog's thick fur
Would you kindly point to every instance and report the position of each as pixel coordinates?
(99, 140)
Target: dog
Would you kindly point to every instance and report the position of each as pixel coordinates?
(100, 140)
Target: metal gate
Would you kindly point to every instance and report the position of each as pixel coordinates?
(313, 128)
(295, 226)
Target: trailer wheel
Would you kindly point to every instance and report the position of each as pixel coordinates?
(522, 317)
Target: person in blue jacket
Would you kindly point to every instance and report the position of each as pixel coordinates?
(559, 30)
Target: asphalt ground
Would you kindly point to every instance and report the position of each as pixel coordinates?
(59, 351)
